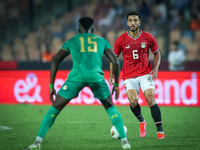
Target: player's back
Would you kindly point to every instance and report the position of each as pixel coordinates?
(87, 50)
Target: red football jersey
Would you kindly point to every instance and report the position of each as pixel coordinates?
(135, 53)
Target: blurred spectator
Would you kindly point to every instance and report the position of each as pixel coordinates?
(176, 58)
(68, 22)
(103, 7)
(47, 55)
(145, 12)
(131, 5)
(118, 5)
(161, 10)
(195, 22)
(180, 4)
(109, 22)
(151, 26)
(183, 23)
(105, 19)
(6, 53)
(183, 47)
(119, 25)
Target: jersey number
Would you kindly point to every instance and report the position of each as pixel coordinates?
(89, 49)
(135, 56)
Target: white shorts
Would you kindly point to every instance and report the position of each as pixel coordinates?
(144, 82)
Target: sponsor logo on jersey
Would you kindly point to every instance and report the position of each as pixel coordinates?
(64, 87)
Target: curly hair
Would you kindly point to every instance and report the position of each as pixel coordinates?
(86, 22)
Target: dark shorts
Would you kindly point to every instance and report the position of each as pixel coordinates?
(71, 89)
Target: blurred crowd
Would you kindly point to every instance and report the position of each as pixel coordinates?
(180, 17)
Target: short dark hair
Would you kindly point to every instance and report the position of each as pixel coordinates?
(176, 43)
(133, 13)
(86, 22)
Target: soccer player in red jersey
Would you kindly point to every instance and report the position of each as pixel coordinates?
(137, 71)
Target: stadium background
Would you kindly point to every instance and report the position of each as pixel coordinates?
(33, 31)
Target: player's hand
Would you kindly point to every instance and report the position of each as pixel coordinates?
(154, 74)
(115, 88)
(111, 80)
(51, 93)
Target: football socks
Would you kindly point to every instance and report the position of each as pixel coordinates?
(156, 115)
(47, 121)
(137, 112)
(116, 120)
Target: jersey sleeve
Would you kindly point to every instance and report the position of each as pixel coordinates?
(154, 46)
(117, 48)
(65, 47)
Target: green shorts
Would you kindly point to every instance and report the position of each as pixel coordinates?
(71, 89)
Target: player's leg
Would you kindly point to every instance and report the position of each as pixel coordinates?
(68, 91)
(132, 90)
(148, 89)
(102, 92)
(115, 116)
(116, 119)
(51, 115)
(48, 120)
(155, 112)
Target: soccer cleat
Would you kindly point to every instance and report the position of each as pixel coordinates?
(33, 147)
(126, 145)
(143, 131)
(160, 135)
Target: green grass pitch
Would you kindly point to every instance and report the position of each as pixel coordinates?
(88, 127)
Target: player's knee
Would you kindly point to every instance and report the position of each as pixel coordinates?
(150, 100)
(133, 98)
(133, 102)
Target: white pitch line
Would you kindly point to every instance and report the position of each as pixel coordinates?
(5, 128)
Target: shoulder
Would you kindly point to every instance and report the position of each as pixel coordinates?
(74, 38)
(67, 43)
(99, 38)
(149, 35)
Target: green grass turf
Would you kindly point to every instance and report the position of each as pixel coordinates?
(88, 127)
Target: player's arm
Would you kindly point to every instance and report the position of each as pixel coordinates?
(54, 68)
(111, 78)
(116, 52)
(157, 59)
(115, 69)
(157, 56)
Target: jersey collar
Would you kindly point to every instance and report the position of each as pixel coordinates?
(136, 37)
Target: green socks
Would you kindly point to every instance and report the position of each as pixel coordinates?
(116, 120)
(47, 121)
(51, 114)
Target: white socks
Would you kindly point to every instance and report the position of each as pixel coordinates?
(38, 139)
(124, 139)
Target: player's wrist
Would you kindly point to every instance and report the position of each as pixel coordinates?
(51, 86)
(116, 84)
(111, 75)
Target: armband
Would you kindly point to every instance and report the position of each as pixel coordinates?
(116, 84)
(51, 85)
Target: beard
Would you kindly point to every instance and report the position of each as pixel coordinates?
(134, 29)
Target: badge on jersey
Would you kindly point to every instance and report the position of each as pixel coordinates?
(143, 44)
